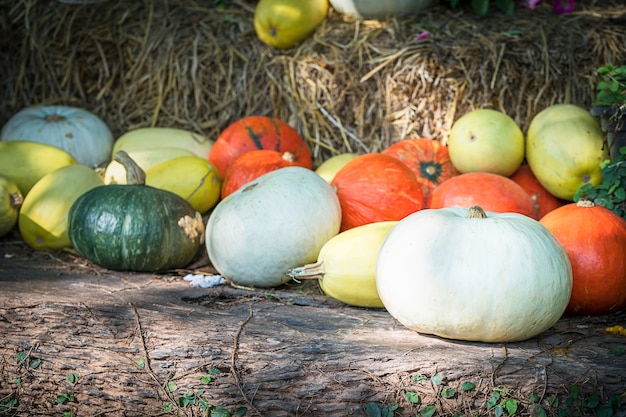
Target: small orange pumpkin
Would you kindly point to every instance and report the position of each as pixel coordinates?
(428, 159)
(258, 132)
(375, 187)
(251, 165)
(492, 192)
(594, 238)
(544, 201)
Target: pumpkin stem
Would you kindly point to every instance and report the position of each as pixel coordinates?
(476, 212)
(134, 174)
(585, 203)
(308, 271)
(16, 200)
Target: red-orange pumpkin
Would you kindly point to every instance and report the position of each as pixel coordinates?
(543, 200)
(490, 191)
(594, 238)
(252, 165)
(428, 159)
(258, 132)
(375, 187)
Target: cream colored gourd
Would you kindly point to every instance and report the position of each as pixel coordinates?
(378, 9)
(10, 202)
(346, 265)
(191, 177)
(453, 273)
(25, 162)
(115, 173)
(273, 224)
(151, 138)
(329, 167)
(43, 218)
(77, 131)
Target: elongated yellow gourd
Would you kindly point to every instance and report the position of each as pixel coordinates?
(43, 218)
(346, 265)
(27, 162)
(149, 138)
(10, 201)
(193, 178)
(115, 172)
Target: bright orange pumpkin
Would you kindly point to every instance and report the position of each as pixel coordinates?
(258, 132)
(543, 200)
(375, 187)
(490, 191)
(594, 238)
(428, 159)
(251, 165)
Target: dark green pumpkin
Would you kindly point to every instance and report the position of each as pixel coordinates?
(135, 227)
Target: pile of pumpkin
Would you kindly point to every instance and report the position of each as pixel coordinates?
(476, 240)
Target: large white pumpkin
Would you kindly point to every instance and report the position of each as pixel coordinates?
(275, 223)
(499, 278)
(79, 132)
(375, 9)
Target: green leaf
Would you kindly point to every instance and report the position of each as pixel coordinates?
(506, 6)
(553, 400)
(20, 356)
(428, 411)
(604, 410)
(413, 397)
(241, 411)
(493, 400)
(205, 379)
(467, 386)
(171, 386)
(480, 7)
(534, 398)
(372, 410)
(574, 391)
(448, 393)
(72, 377)
(141, 363)
(214, 371)
(35, 364)
(539, 411)
(438, 379)
(419, 378)
(219, 412)
(593, 401)
(511, 406)
(167, 407)
(499, 410)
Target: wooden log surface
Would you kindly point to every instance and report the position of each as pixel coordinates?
(80, 339)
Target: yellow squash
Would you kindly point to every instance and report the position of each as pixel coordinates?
(10, 201)
(150, 138)
(329, 167)
(25, 162)
(285, 23)
(564, 149)
(346, 265)
(193, 178)
(43, 217)
(115, 173)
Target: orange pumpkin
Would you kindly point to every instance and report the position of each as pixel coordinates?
(375, 187)
(594, 238)
(252, 165)
(490, 191)
(258, 132)
(543, 200)
(428, 159)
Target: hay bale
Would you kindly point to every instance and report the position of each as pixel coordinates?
(354, 86)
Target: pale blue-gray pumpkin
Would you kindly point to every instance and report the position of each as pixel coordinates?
(135, 227)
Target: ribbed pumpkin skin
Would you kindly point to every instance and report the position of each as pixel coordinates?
(492, 192)
(595, 241)
(428, 159)
(543, 200)
(376, 188)
(133, 227)
(258, 132)
(251, 166)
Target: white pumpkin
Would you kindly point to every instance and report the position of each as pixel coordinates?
(375, 9)
(453, 273)
(275, 223)
(79, 132)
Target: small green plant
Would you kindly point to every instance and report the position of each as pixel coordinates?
(611, 192)
(481, 7)
(611, 89)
